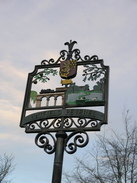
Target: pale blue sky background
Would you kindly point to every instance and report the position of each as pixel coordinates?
(31, 31)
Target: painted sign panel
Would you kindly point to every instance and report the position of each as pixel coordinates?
(82, 96)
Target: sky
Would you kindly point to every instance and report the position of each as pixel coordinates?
(34, 30)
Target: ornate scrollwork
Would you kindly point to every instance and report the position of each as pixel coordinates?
(46, 141)
(70, 54)
(63, 55)
(90, 58)
(43, 124)
(74, 140)
(68, 122)
(66, 125)
(83, 122)
(57, 123)
(93, 123)
(50, 61)
(80, 123)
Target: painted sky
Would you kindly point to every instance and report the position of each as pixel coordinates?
(31, 31)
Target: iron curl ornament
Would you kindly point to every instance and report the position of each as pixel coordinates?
(74, 140)
(46, 141)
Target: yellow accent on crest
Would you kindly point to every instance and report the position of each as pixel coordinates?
(66, 81)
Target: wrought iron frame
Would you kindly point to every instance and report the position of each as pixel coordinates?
(67, 125)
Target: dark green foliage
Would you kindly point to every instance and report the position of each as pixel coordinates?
(92, 72)
(33, 96)
(43, 75)
(99, 85)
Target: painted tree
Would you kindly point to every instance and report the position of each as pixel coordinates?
(6, 167)
(43, 76)
(112, 160)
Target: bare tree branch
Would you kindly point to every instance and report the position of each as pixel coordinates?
(6, 167)
(112, 160)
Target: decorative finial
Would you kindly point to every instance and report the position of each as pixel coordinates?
(70, 45)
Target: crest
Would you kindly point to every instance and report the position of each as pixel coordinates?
(68, 69)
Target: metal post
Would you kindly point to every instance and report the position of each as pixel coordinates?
(58, 160)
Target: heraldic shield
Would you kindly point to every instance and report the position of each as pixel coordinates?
(68, 69)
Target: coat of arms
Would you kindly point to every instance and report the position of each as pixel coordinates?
(68, 69)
